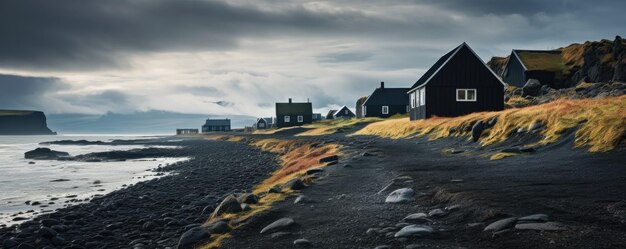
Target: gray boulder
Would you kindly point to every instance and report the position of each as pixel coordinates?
(295, 184)
(228, 205)
(531, 88)
(301, 199)
(501, 224)
(278, 225)
(414, 231)
(302, 242)
(477, 130)
(436, 213)
(248, 198)
(402, 195)
(219, 227)
(192, 237)
(417, 218)
(535, 218)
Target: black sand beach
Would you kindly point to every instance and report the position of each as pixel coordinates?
(580, 192)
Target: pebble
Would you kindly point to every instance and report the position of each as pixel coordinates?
(501, 224)
(535, 218)
(402, 195)
(302, 242)
(436, 213)
(546, 226)
(278, 225)
(414, 231)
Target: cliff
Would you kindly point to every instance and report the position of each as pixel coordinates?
(14, 122)
(597, 61)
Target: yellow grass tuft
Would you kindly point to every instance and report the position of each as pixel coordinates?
(601, 122)
(502, 155)
(216, 242)
(333, 126)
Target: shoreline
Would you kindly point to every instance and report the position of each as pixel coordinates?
(460, 193)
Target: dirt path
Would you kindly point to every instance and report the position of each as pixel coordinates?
(575, 188)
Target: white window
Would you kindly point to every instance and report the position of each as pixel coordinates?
(385, 109)
(287, 119)
(261, 125)
(412, 100)
(408, 109)
(364, 110)
(422, 97)
(465, 95)
(300, 119)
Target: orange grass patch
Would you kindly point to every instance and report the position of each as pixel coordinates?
(601, 123)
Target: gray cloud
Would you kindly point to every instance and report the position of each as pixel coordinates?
(19, 92)
(344, 57)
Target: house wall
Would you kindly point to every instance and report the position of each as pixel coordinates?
(280, 120)
(514, 73)
(261, 121)
(545, 77)
(377, 110)
(210, 128)
(463, 71)
(441, 101)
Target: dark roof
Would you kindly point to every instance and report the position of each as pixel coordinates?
(331, 113)
(442, 62)
(266, 120)
(294, 109)
(217, 122)
(434, 68)
(340, 112)
(388, 96)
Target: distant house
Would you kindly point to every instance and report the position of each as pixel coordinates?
(182, 132)
(265, 123)
(359, 106)
(293, 114)
(344, 112)
(216, 125)
(331, 114)
(458, 83)
(317, 117)
(386, 102)
(543, 65)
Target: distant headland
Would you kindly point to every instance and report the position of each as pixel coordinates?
(23, 122)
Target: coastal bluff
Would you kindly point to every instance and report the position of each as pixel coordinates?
(23, 122)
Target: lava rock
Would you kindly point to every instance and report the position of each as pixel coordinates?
(535, 218)
(301, 199)
(228, 205)
(531, 88)
(546, 226)
(45, 154)
(219, 227)
(248, 198)
(295, 184)
(417, 218)
(328, 159)
(477, 130)
(193, 237)
(302, 242)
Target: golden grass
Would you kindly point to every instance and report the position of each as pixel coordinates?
(230, 138)
(543, 61)
(296, 158)
(333, 126)
(502, 155)
(517, 102)
(601, 123)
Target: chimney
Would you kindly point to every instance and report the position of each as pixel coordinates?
(382, 84)
(289, 100)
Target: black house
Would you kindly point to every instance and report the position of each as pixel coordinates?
(331, 114)
(293, 114)
(264, 123)
(543, 65)
(386, 102)
(344, 112)
(458, 83)
(216, 125)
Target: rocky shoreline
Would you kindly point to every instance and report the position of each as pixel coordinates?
(155, 213)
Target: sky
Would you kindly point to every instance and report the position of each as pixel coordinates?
(227, 57)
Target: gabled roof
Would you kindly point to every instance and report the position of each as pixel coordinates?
(293, 108)
(549, 60)
(388, 96)
(422, 81)
(341, 112)
(266, 120)
(331, 113)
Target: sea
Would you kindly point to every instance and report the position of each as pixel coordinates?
(52, 184)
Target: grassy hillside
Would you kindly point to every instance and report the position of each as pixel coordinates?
(600, 123)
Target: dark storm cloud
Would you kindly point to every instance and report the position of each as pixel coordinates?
(93, 33)
(18, 92)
